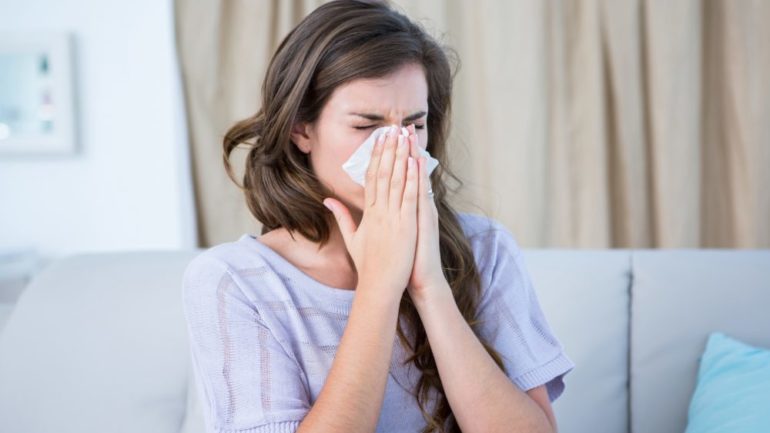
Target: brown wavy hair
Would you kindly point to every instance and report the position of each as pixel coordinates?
(338, 42)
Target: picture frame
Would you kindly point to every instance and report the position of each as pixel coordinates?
(37, 110)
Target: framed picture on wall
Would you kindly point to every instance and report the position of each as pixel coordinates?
(36, 94)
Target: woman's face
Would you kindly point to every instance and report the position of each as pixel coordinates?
(351, 114)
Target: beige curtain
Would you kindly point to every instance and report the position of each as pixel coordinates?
(577, 124)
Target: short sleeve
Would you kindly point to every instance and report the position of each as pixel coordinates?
(247, 381)
(512, 320)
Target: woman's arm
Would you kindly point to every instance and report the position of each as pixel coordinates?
(351, 399)
(481, 396)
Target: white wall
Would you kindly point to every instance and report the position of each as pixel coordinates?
(128, 186)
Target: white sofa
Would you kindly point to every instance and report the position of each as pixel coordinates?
(97, 343)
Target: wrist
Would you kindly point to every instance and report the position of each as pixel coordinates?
(377, 293)
(432, 295)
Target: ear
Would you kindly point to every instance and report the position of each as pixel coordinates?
(301, 136)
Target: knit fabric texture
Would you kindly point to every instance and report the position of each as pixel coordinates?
(263, 334)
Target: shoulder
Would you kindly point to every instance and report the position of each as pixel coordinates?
(487, 235)
(475, 225)
(228, 261)
(495, 250)
(229, 256)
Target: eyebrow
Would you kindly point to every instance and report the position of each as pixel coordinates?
(371, 116)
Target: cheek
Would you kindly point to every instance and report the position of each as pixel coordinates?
(332, 155)
(336, 147)
(346, 148)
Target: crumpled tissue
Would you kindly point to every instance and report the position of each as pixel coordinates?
(358, 162)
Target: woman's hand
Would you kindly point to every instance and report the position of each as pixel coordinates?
(427, 274)
(383, 245)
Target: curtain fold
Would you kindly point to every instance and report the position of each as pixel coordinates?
(577, 124)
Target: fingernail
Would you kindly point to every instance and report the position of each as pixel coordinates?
(328, 206)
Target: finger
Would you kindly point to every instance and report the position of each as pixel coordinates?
(424, 177)
(409, 201)
(370, 184)
(414, 153)
(398, 180)
(342, 215)
(386, 168)
(411, 129)
(414, 150)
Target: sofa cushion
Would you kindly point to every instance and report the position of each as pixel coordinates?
(584, 296)
(97, 343)
(679, 298)
(733, 388)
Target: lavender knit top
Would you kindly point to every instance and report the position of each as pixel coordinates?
(263, 334)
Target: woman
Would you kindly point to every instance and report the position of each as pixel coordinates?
(390, 311)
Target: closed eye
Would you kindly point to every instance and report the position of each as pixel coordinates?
(372, 126)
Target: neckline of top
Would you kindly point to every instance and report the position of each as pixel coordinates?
(343, 294)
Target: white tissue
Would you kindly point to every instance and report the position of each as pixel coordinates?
(358, 162)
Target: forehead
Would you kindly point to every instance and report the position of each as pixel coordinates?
(401, 93)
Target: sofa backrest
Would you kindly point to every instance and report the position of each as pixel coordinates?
(585, 298)
(97, 343)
